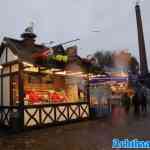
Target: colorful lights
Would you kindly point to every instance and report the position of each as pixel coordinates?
(1, 67)
(27, 64)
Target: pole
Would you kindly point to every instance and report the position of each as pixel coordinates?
(67, 42)
(21, 97)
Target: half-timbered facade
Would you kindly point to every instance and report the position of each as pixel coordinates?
(34, 94)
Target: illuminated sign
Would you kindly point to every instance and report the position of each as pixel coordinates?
(60, 58)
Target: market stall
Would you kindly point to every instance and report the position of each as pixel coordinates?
(40, 87)
(62, 91)
(107, 91)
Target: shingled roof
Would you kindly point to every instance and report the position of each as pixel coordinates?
(26, 47)
(21, 50)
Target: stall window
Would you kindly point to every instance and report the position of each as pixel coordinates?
(14, 68)
(6, 70)
(45, 88)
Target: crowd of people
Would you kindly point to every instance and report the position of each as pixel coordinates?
(139, 101)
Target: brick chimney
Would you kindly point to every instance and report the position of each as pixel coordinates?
(28, 37)
(141, 42)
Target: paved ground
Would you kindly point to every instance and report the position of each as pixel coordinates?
(88, 135)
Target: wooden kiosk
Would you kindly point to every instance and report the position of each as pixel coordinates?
(36, 91)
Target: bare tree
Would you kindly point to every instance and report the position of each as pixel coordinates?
(106, 59)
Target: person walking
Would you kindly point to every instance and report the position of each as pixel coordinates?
(144, 103)
(126, 102)
(143, 98)
(136, 104)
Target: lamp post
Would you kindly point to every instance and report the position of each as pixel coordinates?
(88, 88)
(88, 85)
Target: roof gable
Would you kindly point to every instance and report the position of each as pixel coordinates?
(21, 50)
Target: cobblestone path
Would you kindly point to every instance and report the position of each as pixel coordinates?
(87, 135)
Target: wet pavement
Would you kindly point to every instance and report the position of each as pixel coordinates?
(86, 135)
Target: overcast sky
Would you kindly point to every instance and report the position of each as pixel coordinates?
(64, 20)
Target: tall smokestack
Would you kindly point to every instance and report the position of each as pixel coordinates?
(142, 51)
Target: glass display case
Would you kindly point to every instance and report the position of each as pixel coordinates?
(46, 88)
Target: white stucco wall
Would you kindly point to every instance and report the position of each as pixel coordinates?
(6, 91)
(10, 56)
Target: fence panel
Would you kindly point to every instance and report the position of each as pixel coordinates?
(40, 115)
(6, 115)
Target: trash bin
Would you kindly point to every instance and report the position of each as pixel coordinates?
(15, 121)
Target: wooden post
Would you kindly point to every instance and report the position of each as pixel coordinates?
(2, 100)
(21, 97)
(88, 94)
(88, 89)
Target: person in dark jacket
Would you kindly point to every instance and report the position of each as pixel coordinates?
(144, 103)
(136, 104)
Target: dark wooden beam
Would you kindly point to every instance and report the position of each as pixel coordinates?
(21, 96)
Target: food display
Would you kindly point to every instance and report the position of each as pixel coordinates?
(57, 97)
(35, 97)
(51, 89)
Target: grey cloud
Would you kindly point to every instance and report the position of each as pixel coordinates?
(69, 19)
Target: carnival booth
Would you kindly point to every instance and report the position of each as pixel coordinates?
(39, 85)
(106, 91)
